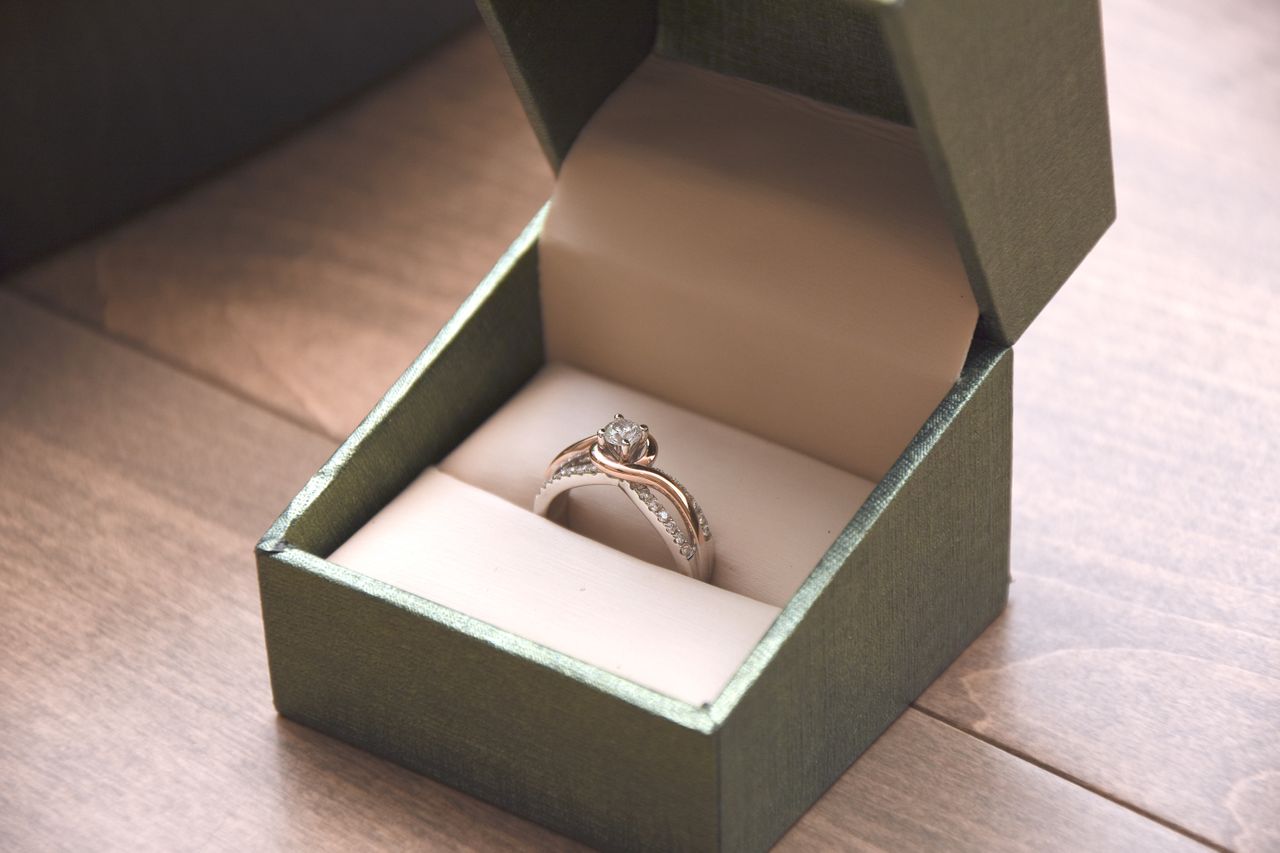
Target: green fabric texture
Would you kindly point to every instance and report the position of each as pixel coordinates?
(833, 52)
(1011, 104)
(920, 569)
(1009, 99)
(429, 689)
(566, 57)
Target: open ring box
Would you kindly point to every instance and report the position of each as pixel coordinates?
(798, 240)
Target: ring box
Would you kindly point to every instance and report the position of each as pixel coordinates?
(1006, 106)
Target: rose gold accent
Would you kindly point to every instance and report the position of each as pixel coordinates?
(611, 470)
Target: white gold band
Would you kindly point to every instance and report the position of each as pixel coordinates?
(621, 454)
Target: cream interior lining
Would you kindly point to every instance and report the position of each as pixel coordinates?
(771, 285)
(777, 264)
(463, 536)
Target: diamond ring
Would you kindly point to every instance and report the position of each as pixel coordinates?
(621, 454)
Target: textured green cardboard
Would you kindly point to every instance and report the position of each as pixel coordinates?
(918, 572)
(1009, 100)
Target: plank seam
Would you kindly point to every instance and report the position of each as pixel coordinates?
(225, 388)
(136, 348)
(1074, 780)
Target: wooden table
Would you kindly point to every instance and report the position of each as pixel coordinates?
(166, 387)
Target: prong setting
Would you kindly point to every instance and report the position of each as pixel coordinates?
(622, 452)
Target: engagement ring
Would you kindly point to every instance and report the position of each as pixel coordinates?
(621, 453)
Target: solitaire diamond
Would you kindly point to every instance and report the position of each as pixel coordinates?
(623, 452)
(623, 434)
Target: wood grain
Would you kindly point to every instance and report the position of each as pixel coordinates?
(136, 712)
(403, 200)
(926, 786)
(1140, 656)
(1141, 652)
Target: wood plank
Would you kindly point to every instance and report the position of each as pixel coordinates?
(926, 786)
(137, 712)
(1139, 653)
(309, 276)
(1174, 716)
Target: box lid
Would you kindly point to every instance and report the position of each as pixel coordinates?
(1009, 101)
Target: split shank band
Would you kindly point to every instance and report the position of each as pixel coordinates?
(622, 454)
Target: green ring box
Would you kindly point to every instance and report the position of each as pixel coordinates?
(1009, 104)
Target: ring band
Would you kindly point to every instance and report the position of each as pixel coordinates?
(621, 454)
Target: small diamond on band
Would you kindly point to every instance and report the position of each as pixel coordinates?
(622, 452)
